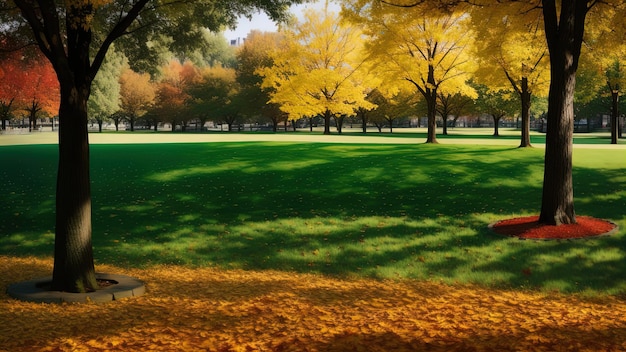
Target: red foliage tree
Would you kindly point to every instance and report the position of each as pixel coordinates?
(27, 83)
(10, 84)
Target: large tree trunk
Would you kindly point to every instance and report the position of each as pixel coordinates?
(73, 255)
(564, 36)
(525, 98)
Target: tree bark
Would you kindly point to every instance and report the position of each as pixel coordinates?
(564, 37)
(327, 116)
(431, 100)
(73, 255)
(496, 125)
(525, 98)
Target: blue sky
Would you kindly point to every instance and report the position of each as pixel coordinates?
(262, 22)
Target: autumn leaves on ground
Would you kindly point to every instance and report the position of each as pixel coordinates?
(233, 310)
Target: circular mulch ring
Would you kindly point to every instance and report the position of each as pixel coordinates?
(530, 228)
(112, 287)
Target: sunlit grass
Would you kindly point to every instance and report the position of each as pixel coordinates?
(383, 211)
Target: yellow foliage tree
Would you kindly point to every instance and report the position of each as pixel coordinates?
(565, 23)
(318, 69)
(607, 56)
(428, 51)
(513, 56)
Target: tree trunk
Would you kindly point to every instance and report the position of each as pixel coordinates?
(525, 98)
(364, 121)
(614, 115)
(564, 37)
(327, 122)
(445, 124)
(73, 255)
(339, 122)
(496, 125)
(432, 120)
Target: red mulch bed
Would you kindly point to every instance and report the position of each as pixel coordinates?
(530, 228)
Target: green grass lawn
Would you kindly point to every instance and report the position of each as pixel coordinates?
(384, 211)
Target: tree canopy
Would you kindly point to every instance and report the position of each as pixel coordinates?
(429, 52)
(317, 69)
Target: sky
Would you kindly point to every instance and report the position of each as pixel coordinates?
(263, 23)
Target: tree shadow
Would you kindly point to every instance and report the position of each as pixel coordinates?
(383, 211)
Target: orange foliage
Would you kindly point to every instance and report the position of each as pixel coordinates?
(29, 81)
(217, 310)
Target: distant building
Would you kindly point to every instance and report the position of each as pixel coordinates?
(237, 42)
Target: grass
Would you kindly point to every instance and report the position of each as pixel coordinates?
(382, 211)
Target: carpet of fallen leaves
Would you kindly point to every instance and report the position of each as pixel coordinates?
(230, 310)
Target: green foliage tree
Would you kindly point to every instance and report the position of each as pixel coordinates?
(497, 104)
(452, 105)
(104, 100)
(75, 36)
(218, 94)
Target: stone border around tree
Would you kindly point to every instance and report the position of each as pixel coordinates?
(35, 291)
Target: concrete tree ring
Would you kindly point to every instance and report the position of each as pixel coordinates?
(121, 286)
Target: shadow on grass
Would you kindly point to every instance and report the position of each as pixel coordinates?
(412, 211)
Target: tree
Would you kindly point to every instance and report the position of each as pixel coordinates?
(513, 55)
(497, 104)
(27, 83)
(137, 95)
(390, 106)
(217, 93)
(173, 92)
(40, 90)
(607, 56)
(428, 50)
(254, 56)
(104, 100)
(316, 71)
(452, 105)
(11, 82)
(75, 37)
